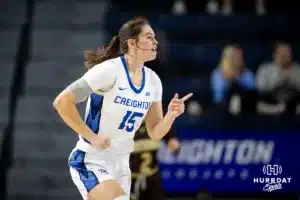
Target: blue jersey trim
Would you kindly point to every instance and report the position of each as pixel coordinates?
(136, 90)
(88, 178)
(94, 115)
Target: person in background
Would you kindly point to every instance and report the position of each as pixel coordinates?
(280, 79)
(281, 73)
(231, 73)
(146, 180)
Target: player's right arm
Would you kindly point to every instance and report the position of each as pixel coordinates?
(98, 79)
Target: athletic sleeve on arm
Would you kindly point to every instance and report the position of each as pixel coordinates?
(80, 89)
(101, 77)
(158, 88)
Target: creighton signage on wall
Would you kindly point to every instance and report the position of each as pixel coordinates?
(232, 162)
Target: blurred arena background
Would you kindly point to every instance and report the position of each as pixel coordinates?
(241, 125)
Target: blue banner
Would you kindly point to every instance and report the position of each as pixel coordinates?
(232, 162)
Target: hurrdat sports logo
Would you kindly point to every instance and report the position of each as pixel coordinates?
(272, 180)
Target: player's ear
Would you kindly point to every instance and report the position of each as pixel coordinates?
(131, 43)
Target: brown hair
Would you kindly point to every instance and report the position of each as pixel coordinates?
(118, 45)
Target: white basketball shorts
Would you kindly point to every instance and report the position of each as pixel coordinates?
(88, 170)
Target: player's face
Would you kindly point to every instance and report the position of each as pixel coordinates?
(147, 44)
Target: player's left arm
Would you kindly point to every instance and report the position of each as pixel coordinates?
(158, 125)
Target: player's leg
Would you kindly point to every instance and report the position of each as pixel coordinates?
(114, 187)
(93, 177)
(107, 190)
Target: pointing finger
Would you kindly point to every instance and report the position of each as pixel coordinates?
(175, 96)
(186, 97)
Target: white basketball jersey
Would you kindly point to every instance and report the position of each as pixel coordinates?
(119, 107)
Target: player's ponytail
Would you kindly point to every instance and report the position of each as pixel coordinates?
(118, 45)
(101, 54)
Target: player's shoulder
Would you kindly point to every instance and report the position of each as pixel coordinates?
(152, 75)
(112, 64)
(116, 61)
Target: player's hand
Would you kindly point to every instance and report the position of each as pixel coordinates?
(173, 144)
(176, 106)
(101, 142)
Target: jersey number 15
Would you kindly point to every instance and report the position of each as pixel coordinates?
(129, 120)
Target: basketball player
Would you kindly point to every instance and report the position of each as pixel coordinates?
(146, 181)
(131, 92)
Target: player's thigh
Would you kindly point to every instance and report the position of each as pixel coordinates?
(106, 190)
(88, 173)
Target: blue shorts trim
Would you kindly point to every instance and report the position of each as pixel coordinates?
(88, 178)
